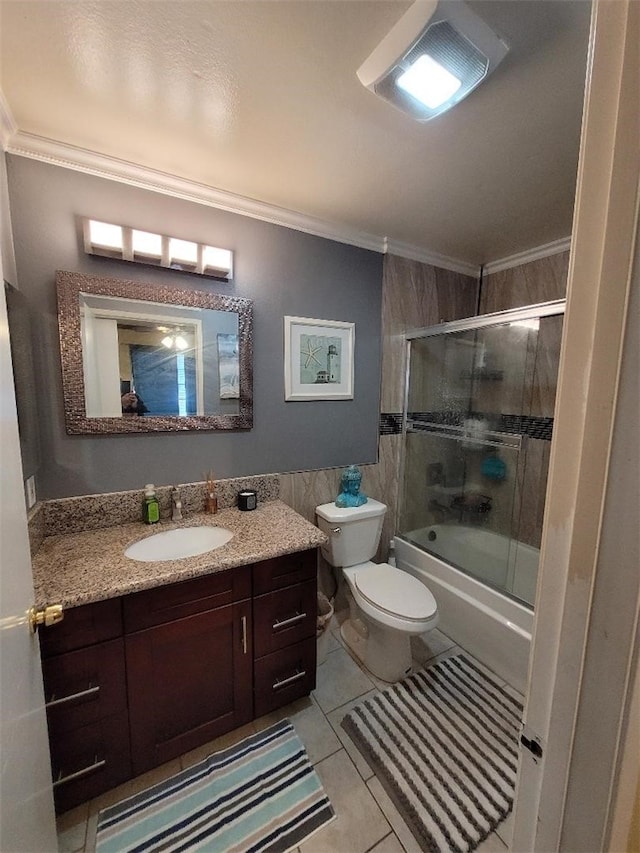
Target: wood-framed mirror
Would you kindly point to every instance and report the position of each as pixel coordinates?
(142, 357)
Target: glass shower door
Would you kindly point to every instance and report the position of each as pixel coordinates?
(448, 506)
(469, 393)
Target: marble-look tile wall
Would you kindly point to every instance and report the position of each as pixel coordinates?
(527, 284)
(539, 281)
(414, 296)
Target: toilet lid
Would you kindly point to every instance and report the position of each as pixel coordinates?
(395, 591)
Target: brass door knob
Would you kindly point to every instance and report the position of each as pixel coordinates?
(47, 616)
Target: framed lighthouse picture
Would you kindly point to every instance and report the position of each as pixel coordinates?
(318, 359)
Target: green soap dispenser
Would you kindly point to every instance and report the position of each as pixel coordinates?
(151, 509)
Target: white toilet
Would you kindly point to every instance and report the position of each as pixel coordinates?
(387, 605)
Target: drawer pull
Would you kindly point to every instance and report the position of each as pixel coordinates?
(243, 622)
(277, 685)
(80, 773)
(284, 623)
(90, 691)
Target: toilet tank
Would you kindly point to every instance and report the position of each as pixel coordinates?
(354, 532)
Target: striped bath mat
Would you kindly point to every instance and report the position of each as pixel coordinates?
(262, 794)
(444, 743)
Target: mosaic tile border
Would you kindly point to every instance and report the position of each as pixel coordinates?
(390, 423)
(531, 426)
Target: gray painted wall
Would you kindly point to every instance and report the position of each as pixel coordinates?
(282, 271)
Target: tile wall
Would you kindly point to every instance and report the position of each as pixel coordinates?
(528, 284)
(538, 281)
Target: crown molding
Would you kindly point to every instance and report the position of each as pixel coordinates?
(90, 162)
(415, 253)
(535, 254)
(8, 126)
(103, 166)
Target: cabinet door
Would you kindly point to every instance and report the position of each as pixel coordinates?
(189, 681)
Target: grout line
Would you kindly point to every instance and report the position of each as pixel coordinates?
(384, 837)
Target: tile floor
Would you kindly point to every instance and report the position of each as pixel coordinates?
(367, 819)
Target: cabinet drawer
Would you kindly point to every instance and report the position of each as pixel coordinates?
(269, 575)
(84, 686)
(284, 617)
(175, 601)
(90, 760)
(284, 676)
(83, 626)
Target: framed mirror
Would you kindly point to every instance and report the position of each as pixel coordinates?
(140, 357)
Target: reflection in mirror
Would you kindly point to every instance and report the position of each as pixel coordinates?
(140, 358)
(145, 358)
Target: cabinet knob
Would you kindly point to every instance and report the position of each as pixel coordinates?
(48, 616)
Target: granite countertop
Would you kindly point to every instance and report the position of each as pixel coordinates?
(80, 568)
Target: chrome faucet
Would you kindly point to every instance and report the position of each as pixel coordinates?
(176, 505)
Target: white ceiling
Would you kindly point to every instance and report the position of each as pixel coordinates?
(261, 99)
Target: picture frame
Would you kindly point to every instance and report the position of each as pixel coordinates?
(318, 359)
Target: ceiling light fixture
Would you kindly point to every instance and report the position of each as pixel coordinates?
(145, 247)
(435, 55)
(175, 341)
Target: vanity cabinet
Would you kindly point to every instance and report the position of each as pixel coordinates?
(132, 682)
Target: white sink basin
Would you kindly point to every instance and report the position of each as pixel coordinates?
(177, 544)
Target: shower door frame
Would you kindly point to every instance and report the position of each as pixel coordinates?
(479, 321)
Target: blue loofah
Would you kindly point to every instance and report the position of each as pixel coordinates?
(493, 468)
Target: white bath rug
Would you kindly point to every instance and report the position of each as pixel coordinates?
(444, 743)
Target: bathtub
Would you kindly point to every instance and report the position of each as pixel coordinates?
(492, 627)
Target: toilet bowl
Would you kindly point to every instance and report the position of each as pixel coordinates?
(392, 606)
(386, 605)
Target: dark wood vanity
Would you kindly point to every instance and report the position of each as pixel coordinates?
(135, 681)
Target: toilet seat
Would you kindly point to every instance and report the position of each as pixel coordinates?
(395, 592)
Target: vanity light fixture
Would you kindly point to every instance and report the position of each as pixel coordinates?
(434, 56)
(130, 244)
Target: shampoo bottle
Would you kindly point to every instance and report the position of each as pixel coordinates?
(151, 509)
